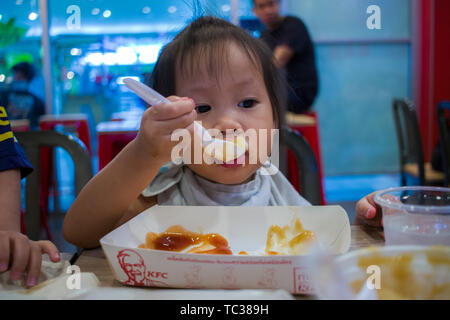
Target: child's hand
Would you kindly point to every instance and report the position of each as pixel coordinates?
(24, 255)
(368, 212)
(158, 123)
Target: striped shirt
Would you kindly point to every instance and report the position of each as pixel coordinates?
(12, 155)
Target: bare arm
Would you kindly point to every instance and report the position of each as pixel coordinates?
(282, 54)
(10, 200)
(105, 201)
(139, 205)
(18, 253)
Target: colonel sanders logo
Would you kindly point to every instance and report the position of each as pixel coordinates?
(134, 267)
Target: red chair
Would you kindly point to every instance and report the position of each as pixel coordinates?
(113, 136)
(20, 125)
(70, 122)
(78, 121)
(307, 125)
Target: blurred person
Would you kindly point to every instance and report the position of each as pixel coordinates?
(26, 97)
(293, 51)
(18, 254)
(25, 78)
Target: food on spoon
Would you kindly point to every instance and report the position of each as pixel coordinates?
(225, 150)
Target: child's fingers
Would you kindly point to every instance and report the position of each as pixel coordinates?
(4, 251)
(169, 126)
(172, 110)
(21, 252)
(34, 264)
(367, 212)
(50, 249)
(375, 222)
(364, 209)
(370, 199)
(174, 98)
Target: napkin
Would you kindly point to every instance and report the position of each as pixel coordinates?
(54, 282)
(49, 270)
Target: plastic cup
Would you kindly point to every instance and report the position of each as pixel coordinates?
(415, 215)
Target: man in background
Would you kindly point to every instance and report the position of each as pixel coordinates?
(25, 98)
(25, 78)
(293, 51)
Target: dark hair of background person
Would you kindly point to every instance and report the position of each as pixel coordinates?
(204, 42)
(26, 69)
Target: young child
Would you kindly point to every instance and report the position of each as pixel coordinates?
(18, 254)
(227, 80)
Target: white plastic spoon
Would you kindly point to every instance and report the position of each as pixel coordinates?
(218, 146)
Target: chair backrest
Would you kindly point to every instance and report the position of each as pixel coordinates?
(306, 162)
(444, 135)
(408, 136)
(31, 143)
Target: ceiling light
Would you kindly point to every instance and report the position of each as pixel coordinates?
(32, 16)
(70, 75)
(75, 52)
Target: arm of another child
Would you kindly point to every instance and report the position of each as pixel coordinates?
(368, 212)
(17, 252)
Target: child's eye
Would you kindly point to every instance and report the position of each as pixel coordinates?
(202, 109)
(248, 103)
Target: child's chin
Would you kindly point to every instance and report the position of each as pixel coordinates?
(232, 180)
(226, 176)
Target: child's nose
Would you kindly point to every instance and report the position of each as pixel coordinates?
(228, 125)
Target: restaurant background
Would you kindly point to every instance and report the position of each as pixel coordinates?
(94, 44)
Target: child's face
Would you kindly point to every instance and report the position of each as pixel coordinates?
(238, 101)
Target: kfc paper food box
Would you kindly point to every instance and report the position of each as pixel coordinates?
(246, 232)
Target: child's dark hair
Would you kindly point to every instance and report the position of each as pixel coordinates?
(204, 42)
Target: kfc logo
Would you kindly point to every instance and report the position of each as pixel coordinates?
(134, 267)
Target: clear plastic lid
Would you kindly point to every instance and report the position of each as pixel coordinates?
(417, 199)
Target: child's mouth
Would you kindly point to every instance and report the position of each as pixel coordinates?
(235, 163)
